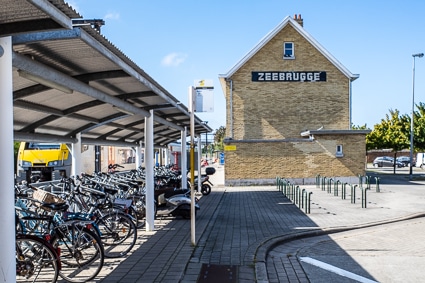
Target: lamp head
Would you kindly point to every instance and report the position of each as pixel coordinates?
(420, 55)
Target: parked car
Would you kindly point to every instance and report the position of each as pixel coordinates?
(386, 161)
(405, 160)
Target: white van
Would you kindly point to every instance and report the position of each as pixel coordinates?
(420, 159)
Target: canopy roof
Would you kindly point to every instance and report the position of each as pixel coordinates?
(69, 79)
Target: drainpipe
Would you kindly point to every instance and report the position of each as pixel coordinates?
(350, 106)
(231, 108)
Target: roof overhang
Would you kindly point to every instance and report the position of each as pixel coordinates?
(312, 133)
(23, 16)
(72, 80)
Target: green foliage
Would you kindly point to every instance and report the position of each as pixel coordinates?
(419, 128)
(219, 137)
(394, 131)
(357, 127)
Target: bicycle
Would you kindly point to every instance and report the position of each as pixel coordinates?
(36, 259)
(81, 250)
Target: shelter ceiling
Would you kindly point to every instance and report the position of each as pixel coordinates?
(95, 76)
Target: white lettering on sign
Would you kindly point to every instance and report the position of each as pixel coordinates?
(314, 76)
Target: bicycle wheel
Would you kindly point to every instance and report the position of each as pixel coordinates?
(81, 252)
(118, 233)
(36, 260)
(138, 214)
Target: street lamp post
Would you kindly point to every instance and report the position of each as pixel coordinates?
(419, 55)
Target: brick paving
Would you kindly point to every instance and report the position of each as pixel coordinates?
(251, 228)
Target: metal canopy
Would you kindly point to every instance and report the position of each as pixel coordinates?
(69, 80)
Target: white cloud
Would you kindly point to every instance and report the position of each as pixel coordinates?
(112, 16)
(173, 59)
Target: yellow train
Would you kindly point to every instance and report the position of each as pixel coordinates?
(42, 161)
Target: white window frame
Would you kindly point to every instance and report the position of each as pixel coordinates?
(339, 152)
(292, 49)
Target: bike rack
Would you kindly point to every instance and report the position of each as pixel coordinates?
(364, 199)
(336, 187)
(295, 194)
(344, 191)
(360, 180)
(330, 185)
(318, 181)
(297, 188)
(309, 202)
(323, 183)
(367, 181)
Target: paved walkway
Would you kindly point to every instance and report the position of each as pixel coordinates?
(242, 234)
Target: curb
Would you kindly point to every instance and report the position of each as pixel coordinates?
(263, 249)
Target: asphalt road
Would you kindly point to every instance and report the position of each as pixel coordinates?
(385, 253)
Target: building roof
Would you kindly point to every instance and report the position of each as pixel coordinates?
(69, 79)
(289, 21)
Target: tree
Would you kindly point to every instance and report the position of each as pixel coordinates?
(419, 128)
(357, 127)
(219, 137)
(392, 133)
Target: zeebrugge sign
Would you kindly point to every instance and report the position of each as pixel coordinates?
(309, 76)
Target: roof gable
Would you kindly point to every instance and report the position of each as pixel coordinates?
(289, 21)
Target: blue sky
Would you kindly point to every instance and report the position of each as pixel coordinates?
(177, 42)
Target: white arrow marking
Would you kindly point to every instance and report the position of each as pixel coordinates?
(336, 270)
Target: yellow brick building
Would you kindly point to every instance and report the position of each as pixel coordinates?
(288, 113)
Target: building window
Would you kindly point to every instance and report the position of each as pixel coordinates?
(288, 50)
(339, 152)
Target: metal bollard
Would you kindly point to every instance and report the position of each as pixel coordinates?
(378, 189)
(278, 183)
(336, 187)
(353, 193)
(309, 203)
(364, 199)
(323, 183)
(360, 180)
(287, 188)
(330, 185)
(303, 192)
(367, 181)
(297, 189)
(293, 193)
(344, 191)
(318, 181)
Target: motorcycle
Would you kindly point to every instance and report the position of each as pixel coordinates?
(175, 205)
(205, 184)
(205, 181)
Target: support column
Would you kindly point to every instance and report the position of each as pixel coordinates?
(7, 209)
(198, 164)
(138, 156)
(149, 162)
(76, 156)
(167, 156)
(97, 159)
(184, 159)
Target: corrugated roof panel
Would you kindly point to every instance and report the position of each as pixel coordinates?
(18, 11)
(58, 99)
(83, 59)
